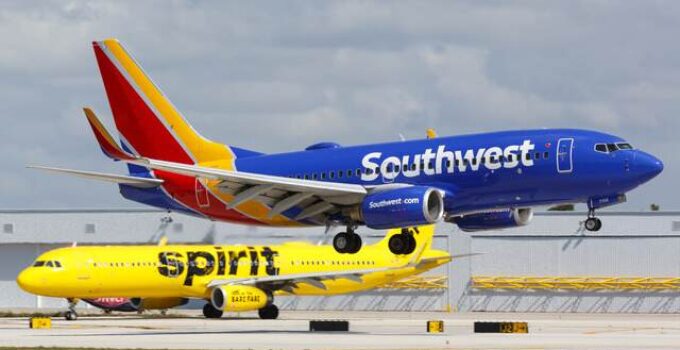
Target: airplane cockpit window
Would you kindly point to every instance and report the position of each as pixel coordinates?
(612, 147)
(47, 263)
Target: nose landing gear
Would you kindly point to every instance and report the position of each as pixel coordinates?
(592, 223)
(71, 314)
(347, 242)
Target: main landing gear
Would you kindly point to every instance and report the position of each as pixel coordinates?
(347, 242)
(269, 312)
(402, 243)
(592, 223)
(209, 311)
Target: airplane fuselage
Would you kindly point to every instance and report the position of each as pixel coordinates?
(510, 169)
(186, 270)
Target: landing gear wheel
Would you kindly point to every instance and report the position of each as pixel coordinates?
(355, 245)
(70, 315)
(269, 312)
(593, 224)
(347, 242)
(210, 311)
(411, 247)
(342, 242)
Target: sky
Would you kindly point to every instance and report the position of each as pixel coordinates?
(277, 76)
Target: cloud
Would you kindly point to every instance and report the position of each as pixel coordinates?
(275, 76)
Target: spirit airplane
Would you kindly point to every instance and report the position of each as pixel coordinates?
(229, 278)
(479, 182)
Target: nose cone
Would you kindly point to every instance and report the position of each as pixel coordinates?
(28, 280)
(647, 166)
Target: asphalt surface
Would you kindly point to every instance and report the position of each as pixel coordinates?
(368, 330)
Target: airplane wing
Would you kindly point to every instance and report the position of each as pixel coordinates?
(287, 282)
(140, 182)
(244, 185)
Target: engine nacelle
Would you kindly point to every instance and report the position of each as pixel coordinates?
(401, 207)
(506, 218)
(239, 298)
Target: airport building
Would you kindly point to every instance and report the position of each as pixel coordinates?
(552, 265)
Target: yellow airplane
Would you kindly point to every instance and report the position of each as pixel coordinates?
(229, 278)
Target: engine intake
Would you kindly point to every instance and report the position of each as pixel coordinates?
(239, 298)
(500, 219)
(401, 207)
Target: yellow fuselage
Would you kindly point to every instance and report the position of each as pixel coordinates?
(186, 270)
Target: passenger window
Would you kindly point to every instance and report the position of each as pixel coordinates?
(545, 154)
(369, 171)
(323, 176)
(358, 172)
(600, 147)
(537, 155)
(349, 173)
(306, 177)
(339, 174)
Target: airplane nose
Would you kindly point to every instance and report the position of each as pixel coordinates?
(647, 166)
(27, 280)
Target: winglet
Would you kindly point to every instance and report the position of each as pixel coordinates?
(431, 134)
(104, 138)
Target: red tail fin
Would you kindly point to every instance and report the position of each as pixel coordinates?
(148, 122)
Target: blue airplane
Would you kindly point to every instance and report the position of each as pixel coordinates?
(478, 182)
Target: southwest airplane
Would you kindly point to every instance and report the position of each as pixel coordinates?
(230, 278)
(479, 182)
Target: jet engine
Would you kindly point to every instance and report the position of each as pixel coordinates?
(500, 219)
(401, 207)
(239, 298)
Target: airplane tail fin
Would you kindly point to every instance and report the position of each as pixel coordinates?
(149, 124)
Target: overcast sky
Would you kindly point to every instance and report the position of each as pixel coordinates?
(278, 76)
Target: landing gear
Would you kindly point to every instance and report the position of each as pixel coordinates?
(347, 242)
(269, 312)
(592, 223)
(402, 243)
(70, 314)
(210, 311)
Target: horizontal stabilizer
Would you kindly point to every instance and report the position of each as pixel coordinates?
(134, 181)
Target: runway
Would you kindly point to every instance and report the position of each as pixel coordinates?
(368, 330)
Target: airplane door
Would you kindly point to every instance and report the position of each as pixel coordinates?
(565, 155)
(201, 194)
